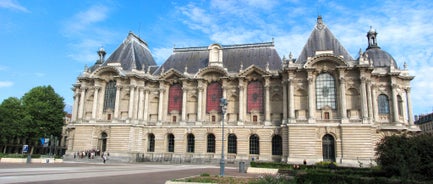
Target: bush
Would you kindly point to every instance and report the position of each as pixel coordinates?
(407, 157)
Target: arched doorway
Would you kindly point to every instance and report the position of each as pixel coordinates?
(103, 142)
(328, 148)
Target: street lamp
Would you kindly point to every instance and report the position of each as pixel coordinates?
(223, 104)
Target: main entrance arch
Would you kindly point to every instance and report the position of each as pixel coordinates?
(103, 142)
(328, 148)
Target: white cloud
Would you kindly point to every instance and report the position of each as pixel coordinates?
(4, 84)
(82, 20)
(13, 5)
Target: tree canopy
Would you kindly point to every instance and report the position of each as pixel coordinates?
(39, 113)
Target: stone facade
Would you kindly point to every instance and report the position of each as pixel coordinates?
(324, 105)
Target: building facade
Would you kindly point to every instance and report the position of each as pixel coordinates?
(425, 122)
(323, 105)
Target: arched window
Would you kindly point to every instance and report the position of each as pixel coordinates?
(325, 91)
(151, 143)
(211, 143)
(170, 145)
(277, 145)
(190, 143)
(103, 142)
(214, 94)
(254, 144)
(232, 144)
(110, 95)
(400, 105)
(255, 96)
(383, 104)
(175, 95)
(328, 148)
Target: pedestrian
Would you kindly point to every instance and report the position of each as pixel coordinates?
(104, 158)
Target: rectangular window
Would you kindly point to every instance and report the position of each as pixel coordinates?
(326, 114)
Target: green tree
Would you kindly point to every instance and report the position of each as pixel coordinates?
(408, 157)
(13, 121)
(45, 107)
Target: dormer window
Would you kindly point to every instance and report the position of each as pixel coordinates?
(215, 55)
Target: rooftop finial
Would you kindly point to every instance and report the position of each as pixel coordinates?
(319, 24)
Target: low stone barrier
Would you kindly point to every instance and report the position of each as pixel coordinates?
(256, 170)
(33, 160)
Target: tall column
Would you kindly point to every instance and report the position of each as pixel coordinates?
(374, 103)
(364, 99)
(140, 102)
(267, 101)
(75, 107)
(343, 112)
(95, 101)
(146, 105)
(409, 107)
(241, 100)
(291, 99)
(81, 105)
(131, 101)
(161, 103)
(369, 100)
(200, 100)
(311, 97)
(395, 103)
(117, 102)
(284, 83)
(184, 99)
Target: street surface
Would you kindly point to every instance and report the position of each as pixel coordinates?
(98, 173)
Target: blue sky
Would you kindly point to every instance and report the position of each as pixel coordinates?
(49, 42)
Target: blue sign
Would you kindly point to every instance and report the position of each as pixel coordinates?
(25, 148)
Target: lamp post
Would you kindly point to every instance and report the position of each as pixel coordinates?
(223, 104)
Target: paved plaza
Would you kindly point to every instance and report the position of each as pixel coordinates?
(98, 173)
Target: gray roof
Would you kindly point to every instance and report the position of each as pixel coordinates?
(380, 58)
(133, 53)
(322, 39)
(194, 58)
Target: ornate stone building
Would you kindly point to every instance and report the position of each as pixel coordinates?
(323, 105)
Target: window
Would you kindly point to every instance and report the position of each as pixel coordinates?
(174, 119)
(383, 104)
(255, 96)
(255, 118)
(110, 95)
(232, 144)
(214, 94)
(213, 118)
(400, 105)
(326, 115)
(170, 145)
(190, 143)
(175, 95)
(254, 144)
(108, 116)
(277, 148)
(151, 143)
(211, 143)
(325, 91)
